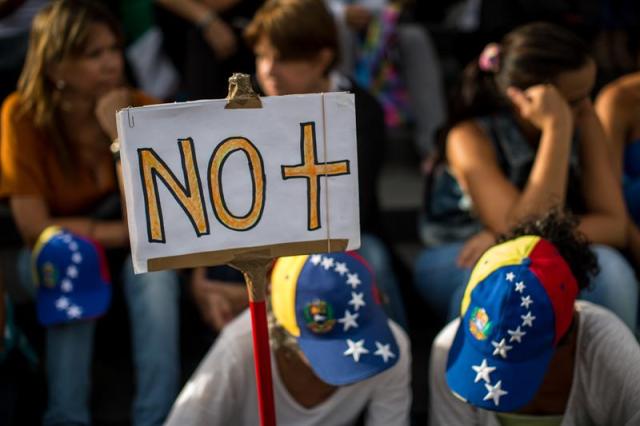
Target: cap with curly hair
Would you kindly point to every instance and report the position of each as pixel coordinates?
(560, 228)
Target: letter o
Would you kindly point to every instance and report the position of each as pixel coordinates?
(258, 180)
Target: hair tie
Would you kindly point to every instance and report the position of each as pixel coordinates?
(489, 60)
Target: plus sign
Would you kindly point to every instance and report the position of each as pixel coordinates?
(311, 170)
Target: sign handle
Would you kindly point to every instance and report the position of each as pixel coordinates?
(255, 275)
(254, 268)
(241, 94)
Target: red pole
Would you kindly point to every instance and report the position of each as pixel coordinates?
(255, 276)
(262, 362)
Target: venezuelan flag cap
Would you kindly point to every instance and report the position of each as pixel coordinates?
(327, 302)
(518, 304)
(72, 277)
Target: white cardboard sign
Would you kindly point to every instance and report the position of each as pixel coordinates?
(203, 183)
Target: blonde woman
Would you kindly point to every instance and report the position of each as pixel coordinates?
(57, 169)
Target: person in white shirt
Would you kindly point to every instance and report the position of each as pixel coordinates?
(524, 351)
(336, 357)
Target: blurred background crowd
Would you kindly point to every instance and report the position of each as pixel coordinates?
(404, 60)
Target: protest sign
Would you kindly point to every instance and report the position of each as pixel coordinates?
(204, 183)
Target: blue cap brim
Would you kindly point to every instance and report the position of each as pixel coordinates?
(327, 359)
(93, 303)
(520, 379)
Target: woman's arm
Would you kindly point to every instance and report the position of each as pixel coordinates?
(498, 202)
(614, 121)
(203, 15)
(606, 218)
(32, 217)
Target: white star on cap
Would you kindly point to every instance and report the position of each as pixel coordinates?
(356, 349)
(482, 371)
(520, 286)
(494, 392)
(527, 319)
(66, 285)
(66, 238)
(341, 268)
(327, 263)
(501, 348)
(349, 320)
(526, 301)
(62, 303)
(74, 311)
(316, 259)
(516, 335)
(357, 300)
(384, 351)
(73, 246)
(353, 280)
(76, 257)
(510, 276)
(72, 271)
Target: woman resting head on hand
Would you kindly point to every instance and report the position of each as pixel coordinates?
(523, 137)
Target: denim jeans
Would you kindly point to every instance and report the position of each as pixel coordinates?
(373, 250)
(441, 282)
(152, 301)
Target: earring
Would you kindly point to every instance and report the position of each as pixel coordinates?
(60, 84)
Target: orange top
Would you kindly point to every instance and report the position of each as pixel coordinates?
(29, 165)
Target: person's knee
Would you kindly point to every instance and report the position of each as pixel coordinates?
(614, 268)
(616, 286)
(423, 265)
(374, 251)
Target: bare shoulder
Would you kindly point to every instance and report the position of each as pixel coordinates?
(621, 96)
(468, 145)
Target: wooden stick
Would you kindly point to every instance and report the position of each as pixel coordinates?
(254, 267)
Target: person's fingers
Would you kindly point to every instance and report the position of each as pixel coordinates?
(220, 312)
(518, 97)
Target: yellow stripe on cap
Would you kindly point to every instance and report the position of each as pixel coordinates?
(284, 279)
(44, 237)
(508, 253)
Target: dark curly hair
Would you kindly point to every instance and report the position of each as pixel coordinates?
(560, 228)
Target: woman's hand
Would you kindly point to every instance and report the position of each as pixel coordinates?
(219, 302)
(542, 105)
(107, 106)
(220, 37)
(474, 247)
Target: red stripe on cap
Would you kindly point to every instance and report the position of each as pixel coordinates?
(374, 282)
(102, 260)
(558, 281)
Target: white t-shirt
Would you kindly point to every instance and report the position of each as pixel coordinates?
(222, 391)
(606, 376)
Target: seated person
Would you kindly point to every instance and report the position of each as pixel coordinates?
(524, 137)
(296, 48)
(396, 60)
(335, 354)
(219, 293)
(618, 107)
(524, 351)
(57, 169)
